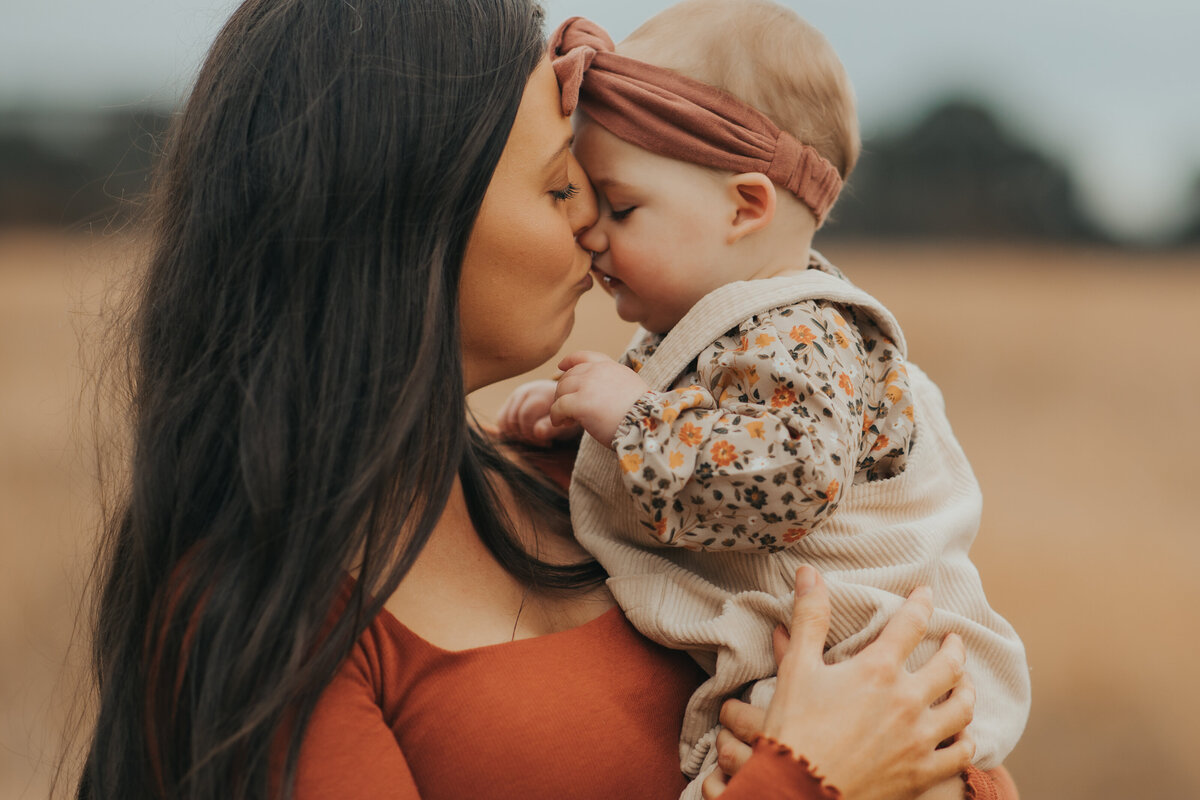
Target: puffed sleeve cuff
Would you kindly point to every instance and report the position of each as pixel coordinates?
(646, 407)
(774, 773)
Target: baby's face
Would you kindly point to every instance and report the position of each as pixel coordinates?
(660, 240)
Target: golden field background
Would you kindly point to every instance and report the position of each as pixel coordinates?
(1071, 376)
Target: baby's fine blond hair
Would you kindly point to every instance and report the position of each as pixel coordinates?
(765, 55)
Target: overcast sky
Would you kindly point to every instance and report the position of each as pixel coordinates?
(1110, 86)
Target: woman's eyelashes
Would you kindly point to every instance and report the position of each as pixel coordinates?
(567, 193)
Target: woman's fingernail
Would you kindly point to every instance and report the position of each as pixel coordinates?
(806, 578)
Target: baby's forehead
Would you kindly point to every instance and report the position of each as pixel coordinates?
(594, 142)
(612, 164)
(597, 146)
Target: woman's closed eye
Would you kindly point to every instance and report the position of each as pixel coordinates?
(566, 193)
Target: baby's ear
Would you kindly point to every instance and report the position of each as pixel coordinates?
(753, 196)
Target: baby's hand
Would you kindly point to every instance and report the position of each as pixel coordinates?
(596, 392)
(525, 416)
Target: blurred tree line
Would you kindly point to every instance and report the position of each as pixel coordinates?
(957, 172)
(71, 168)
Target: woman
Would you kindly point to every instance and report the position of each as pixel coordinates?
(366, 211)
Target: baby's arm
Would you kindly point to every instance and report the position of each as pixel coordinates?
(759, 454)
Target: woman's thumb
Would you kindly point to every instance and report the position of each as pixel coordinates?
(810, 613)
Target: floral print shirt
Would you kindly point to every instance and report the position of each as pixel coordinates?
(764, 433)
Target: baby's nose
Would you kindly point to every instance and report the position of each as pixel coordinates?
(593, 239)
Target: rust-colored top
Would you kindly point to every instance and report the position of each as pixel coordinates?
(589, 712)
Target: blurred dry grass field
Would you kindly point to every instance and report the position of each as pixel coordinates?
(1070, 377)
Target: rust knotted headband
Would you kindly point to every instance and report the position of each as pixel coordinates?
(675, 116)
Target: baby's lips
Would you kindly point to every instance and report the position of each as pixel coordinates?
(606, 280)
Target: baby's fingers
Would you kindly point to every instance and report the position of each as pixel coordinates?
(583, 357)
(576, 379)
(565, 409)
(547, 431)
(531, 412)
(506, 419)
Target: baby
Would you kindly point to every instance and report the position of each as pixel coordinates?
(766, 414)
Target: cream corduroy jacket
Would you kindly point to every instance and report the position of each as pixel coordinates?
(886, 538)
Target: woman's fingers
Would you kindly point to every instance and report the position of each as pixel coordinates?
(742, 720)
(945, 670)
(779, 642)
(810, 614)
(906, 628)
(732, 752)
(954, 713)
(953, 758)
(713, 785)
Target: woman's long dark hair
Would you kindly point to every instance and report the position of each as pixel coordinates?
(297, 391)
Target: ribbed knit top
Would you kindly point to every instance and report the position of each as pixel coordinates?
(886, 538)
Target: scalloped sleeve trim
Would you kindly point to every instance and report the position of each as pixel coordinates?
(992, 785)
(774, 772)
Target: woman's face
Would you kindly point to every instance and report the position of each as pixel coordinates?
(523, 271)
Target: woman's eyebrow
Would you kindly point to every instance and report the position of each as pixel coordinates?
(560, 152)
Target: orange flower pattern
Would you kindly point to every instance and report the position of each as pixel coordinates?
(762, 436)
(783, 397)
(723, 453)
(802, 334)
(631, 462)
(690, 434)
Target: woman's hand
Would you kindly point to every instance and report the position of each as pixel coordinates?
(866, 724)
